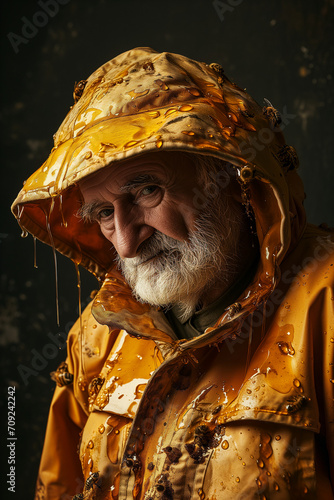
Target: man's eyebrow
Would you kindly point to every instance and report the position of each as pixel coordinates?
(139, 181)
(88, 210)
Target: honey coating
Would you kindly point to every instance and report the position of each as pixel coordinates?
(235, 412)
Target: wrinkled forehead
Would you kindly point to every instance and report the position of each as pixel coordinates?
(164, 166)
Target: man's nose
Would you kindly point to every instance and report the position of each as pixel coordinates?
(129, 232)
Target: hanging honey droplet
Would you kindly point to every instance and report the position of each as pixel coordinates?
(276, 487)
(260, 463)
(259, 483)
(225, 444)
(24, 233)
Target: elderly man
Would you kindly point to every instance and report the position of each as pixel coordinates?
(203, 367)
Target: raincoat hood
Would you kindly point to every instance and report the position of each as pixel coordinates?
(143, 101)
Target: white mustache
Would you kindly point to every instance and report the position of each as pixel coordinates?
(158, 245)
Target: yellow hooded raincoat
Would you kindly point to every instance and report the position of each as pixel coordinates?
(243, 411)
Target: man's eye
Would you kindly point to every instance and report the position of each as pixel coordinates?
(106, 212)
(148, 190)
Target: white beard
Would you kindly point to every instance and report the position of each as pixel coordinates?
(181, 272)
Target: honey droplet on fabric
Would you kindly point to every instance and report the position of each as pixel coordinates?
(154, 114)
(170, 111)
(283, 347)
(101, 429)
(130, 144)
(201, 494)
(90, 444)
(225, 444)
(185, 107)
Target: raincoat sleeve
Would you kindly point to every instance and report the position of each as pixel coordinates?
(324, 358)
(60, 475)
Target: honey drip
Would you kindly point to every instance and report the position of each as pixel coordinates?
(48, 216)
(80, 317)
(263, 327)
(64, 223)
(35, 254)
(250, 338)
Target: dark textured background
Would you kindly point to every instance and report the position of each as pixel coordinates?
(280, 50)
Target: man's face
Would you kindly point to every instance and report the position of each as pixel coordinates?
(169, 252)
(135, 198)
